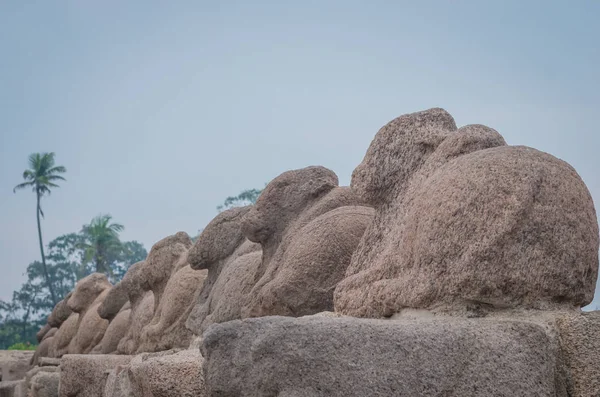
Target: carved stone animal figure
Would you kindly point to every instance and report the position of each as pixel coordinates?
(87, 296)
(231, 261)
(463, 220)
(308, 228)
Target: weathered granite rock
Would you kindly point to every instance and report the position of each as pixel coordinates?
(231, 261)
(84, 375)
(327, 356)
(307, 241)
(14, 364)
(12, 388)
(43, 348)
(140, 316)
(178, 374)
(580, 345)
(165, 257)
(129, 292)
(60, 313)
(230, 292)
(117, 382)
(462, 219)
(42, 332)
(167, 329)
(45, 384)
(34, 371)
(117, 329)
(88, 295)
(59, 345)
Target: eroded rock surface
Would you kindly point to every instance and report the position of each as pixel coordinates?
(84, 375)
(308, 228)
(88, 295)
(463, 219)
(231, 261)
(328, 356)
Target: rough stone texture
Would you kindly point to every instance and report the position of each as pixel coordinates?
(14, 364)
(60, 343)
(12, 388)
(230, 292)
(34, 371)
(462, 219)
(231, 261)
(165, 257)
(141, 314)
(327, 356)
(45, 384)
(306, 239)
(60, 313)
(117, 329)
(49, 362)
(129, 293)
(84, 375)
(167, 329)
(580, 344)
(170, 375)
(50, 333)
(117, 382)
(88, 295)
(127, 290)
(43, 349)
(42, 332)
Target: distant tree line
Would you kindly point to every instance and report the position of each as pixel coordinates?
(95, 248)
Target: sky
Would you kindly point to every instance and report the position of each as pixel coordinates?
(160, 110)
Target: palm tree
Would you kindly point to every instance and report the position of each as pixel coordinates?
(41, 177)
(102, 244)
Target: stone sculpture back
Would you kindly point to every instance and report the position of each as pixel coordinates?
(88, 295)
(308, 227)
(230, 259)
(463, 220)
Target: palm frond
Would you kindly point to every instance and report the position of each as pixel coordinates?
(55, 178)
(23, 186)
(28, 174)
(59, 169)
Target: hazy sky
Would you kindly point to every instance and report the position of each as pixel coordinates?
(161, 111)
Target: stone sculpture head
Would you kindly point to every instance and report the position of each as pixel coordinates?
(120, 293)
(60, 313)
(401, 148)
(218, 240)
(283, 199)
(87, 290)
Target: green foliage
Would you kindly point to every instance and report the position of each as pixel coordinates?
(22, 346)
(101, 243)
(70, 258)
(42, 174)
(246, 197)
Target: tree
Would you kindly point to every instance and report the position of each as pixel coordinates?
(41, 177)
(246, 197)
(102, 245)
(22, 317)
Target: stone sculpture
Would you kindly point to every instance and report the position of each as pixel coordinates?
(308, 227)
(63, 337)
(463, 220)
(231, 261)
(88, 295)
(167, 329)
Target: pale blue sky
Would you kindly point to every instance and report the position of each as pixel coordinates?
(159, 110)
